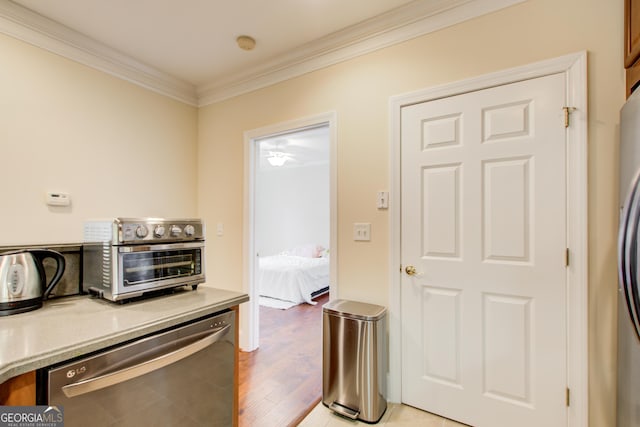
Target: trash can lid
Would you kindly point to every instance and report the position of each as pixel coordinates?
(354, 309)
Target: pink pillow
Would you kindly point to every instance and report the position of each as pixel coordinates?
(307, 251)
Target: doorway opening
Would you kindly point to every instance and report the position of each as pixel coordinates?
(290, 217)
(290, 267)
(292, 221)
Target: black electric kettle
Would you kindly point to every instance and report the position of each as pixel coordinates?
(23, 284)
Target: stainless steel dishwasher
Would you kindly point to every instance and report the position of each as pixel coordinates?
(180, 377)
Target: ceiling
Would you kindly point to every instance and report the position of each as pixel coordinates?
(187, 48)
(195, 40)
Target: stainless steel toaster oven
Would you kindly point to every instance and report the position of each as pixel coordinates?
(130, 257)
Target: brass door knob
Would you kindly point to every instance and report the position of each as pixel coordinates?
(410, 270)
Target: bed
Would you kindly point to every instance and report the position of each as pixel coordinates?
(293, 278)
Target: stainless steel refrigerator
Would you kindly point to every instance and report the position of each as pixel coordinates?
(629, 266)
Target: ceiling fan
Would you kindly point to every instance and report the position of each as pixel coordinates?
(278, 158)
(306, 146)
(277, 152)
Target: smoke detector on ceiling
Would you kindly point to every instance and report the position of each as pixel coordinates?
(246, 42)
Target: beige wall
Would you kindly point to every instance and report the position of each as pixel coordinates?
(359, 90)
(117, 149)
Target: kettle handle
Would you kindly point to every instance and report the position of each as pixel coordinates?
(41, 254)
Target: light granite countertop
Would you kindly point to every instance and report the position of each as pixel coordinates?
(65, 328)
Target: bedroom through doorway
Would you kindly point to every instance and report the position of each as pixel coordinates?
(290, 218)
(289, 236)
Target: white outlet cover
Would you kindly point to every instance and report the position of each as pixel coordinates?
(362, 231)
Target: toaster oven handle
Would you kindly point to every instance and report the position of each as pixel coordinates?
(126, 374)
(161, 247)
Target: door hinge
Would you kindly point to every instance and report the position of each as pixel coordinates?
(568, 396)
(566, 257)
(567, 115)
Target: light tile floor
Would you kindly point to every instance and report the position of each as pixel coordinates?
(396, 415)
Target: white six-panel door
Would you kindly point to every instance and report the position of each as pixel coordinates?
(484, 224)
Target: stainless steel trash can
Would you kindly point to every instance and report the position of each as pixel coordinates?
(354, 359)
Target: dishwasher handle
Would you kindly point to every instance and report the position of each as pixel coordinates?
(120, 376)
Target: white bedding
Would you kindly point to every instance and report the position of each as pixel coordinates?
(292, 278)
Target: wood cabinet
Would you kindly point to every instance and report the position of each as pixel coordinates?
(632, 43)
(19, 391)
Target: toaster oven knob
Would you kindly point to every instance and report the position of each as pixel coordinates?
(142, 231)
(175, 230)
(159, 231)
(189, 230)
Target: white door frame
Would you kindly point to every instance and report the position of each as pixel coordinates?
(574, 68)
(249, 313)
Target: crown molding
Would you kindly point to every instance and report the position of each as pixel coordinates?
(404, 23)
(23, 24)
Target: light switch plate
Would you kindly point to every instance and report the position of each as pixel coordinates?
(362, 231)
(382, 201)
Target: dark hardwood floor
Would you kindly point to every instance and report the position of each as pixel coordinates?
(281, 382)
